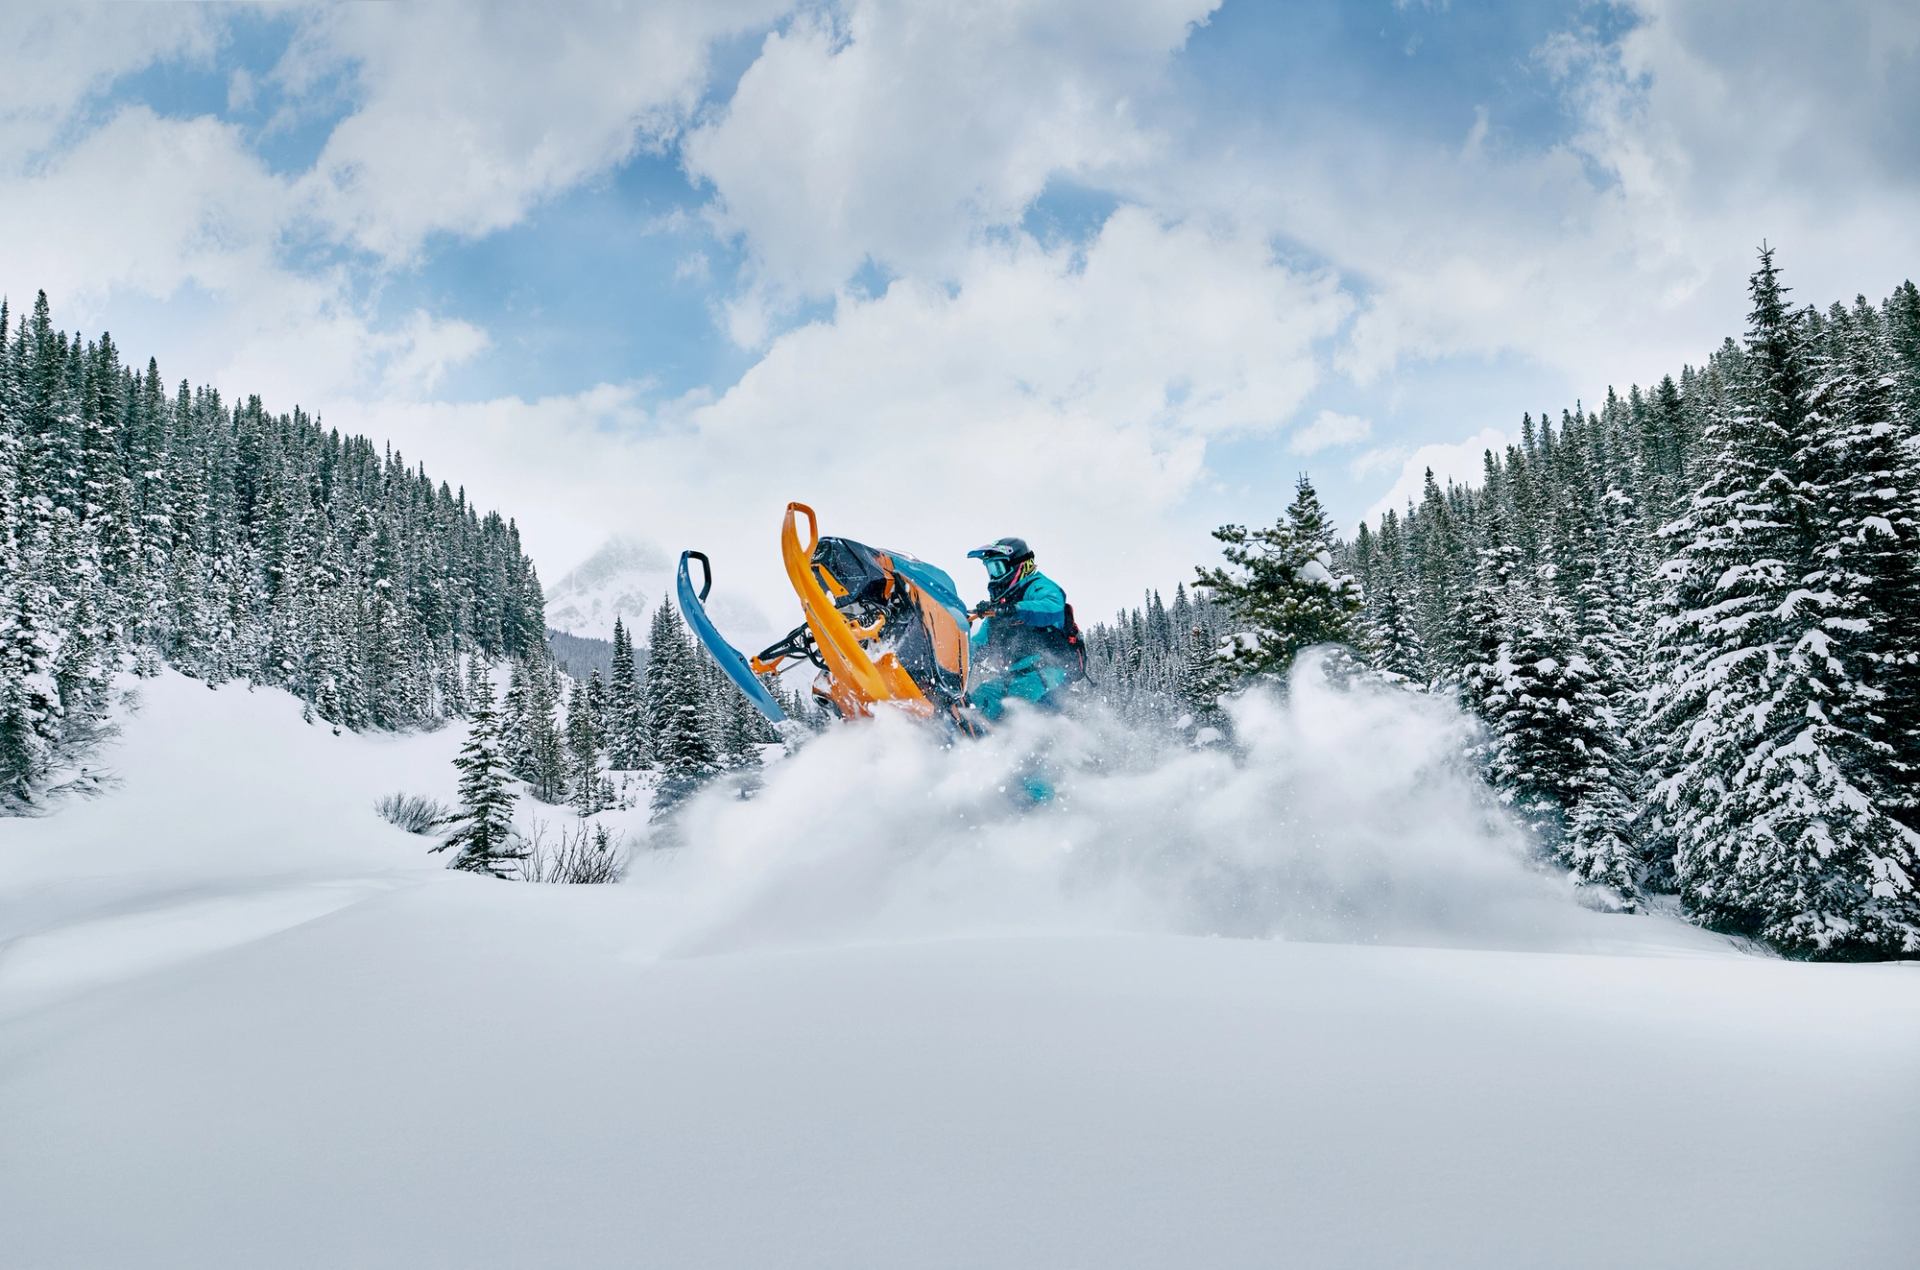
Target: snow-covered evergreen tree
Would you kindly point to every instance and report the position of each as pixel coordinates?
(1281, 588)
(1705, 585)
(585, 747)
(677, 710)
(482, 835)
(626, 712)
(1388, 627)
(1764, 676)
(1868, 466)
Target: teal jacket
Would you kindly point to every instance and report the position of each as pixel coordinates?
(1022, 651)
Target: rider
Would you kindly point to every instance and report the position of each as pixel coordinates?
(1027, 644)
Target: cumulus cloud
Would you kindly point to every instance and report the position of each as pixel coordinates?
(1458, 462)
(469, 114)
(1620, 249)
(207, 237)
(1328, 430)
(207, 211)
(898, 133)
(1066, 396)
(53, 58)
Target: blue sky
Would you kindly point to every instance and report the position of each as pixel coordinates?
(1101, 272)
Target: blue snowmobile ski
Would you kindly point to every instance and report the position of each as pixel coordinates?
(732, 662)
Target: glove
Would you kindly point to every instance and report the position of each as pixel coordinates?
(986, 608)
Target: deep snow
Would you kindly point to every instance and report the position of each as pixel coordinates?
(881, 1016)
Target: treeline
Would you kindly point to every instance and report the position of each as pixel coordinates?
(665, 708)
(141, 527)
(1690, 621)
(1156, 665)
(665, 711)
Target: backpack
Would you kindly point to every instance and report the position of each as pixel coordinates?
(1077, 666)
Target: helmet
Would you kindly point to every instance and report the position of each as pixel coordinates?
(1007, 560)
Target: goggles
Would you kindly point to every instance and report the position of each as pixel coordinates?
(998, 567)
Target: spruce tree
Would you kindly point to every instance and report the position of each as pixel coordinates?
(626, 716)
(1280, 586)
(1869, 472)
(31, 716)
(1763, 676)
(584, 747)
(229, 543)
(679, 739)
(743, 730)
(483, 826)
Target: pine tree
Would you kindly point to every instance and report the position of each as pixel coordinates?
(483, 826)
(1389, 621)
(584, 747)
(679, 739)
(1688, 622)
(626, 715)
(743, 731)
(1761, 680)
(548, 747)
(31, 716)
(1280, 586)
(1870, 475)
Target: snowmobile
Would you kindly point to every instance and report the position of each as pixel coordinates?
(883, 630)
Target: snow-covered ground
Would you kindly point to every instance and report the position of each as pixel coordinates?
(1306, 1009)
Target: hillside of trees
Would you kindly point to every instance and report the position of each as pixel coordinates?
(1690, 621)
(141, 526)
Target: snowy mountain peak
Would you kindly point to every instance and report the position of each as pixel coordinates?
(625, 578)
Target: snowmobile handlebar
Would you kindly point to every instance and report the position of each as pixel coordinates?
(732, 663)
(706, 570)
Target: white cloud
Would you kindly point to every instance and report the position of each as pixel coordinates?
(1460, 462)
(1329, 429)
(1066, 398)
(205, 231)
(1623, 251)
(897, 133)
(241, 91)
(54, 57)
(206, 212)
(467, 115)
(420, 353)
(1379, 459)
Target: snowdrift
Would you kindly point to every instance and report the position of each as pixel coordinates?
(1311, 1005)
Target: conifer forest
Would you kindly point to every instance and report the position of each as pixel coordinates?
(142, 526)
(1689, 621)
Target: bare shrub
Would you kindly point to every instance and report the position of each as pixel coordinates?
(583, 855)
(412, 812)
